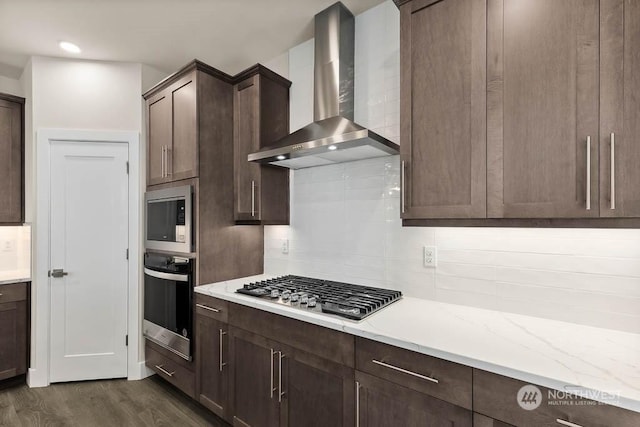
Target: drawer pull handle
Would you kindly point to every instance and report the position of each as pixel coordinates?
(164, 371)
(215, 310)
(358, 403)
(395, 368)
(567, 423)
(222, 334)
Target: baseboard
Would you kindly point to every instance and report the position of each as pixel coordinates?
(141, 372)
(36, 379)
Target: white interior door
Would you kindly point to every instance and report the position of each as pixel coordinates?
(89, 228)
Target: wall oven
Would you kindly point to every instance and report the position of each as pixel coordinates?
(168, 295)
(169, 224)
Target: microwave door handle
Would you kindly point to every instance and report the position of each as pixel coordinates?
(167, 276)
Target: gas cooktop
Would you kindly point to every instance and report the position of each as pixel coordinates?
(322, 296)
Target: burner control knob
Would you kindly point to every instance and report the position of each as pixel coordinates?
(286, 295)
(295, 297)
(311, 302)
(304, 299)
(275, 293)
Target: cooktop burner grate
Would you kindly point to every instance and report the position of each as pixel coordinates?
(343, 299)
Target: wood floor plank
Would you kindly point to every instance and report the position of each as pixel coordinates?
(149, 402)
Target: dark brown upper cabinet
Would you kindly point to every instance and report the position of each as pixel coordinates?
(619, 108)
(174, 124)
(11, 159)
(261, 117)
(542, 114)
(443, 150)
(520, 112)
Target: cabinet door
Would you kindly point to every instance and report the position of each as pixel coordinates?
(620, 108)
(542, 108)
(382, 403)
(183, 152)
(317, 392)
(11, 163)
(253, 388)
(245, 139)
(443, 123)
(211, 364)
(13, 339)
(158, 136)
(482, 421)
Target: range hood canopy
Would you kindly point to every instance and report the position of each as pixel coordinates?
(333, 137)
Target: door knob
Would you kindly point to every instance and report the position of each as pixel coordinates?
(57, 273)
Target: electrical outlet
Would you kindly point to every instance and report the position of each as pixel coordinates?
(285, 246)
(430, 256)
(8, 246)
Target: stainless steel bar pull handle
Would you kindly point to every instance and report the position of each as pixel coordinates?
(222, 334)
(164, 371)
(206, 307)
(357, 404)
(162, 162)
(567, 423)
(395, 368)
(166, 161)
(253, 198)
(613, 170)
(588, 173)
(402, 179)
(271, 388)
(280, 392)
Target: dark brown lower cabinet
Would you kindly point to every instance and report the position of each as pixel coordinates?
(480, 420)
(383, 403)
(14, 330)
(277, 385)
(171, 367)
(211, 366)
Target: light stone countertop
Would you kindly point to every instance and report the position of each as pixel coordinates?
(8, 277)
(554, 354)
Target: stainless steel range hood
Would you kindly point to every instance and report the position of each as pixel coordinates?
(333, 137)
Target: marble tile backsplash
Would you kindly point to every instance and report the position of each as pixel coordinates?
(345, 221)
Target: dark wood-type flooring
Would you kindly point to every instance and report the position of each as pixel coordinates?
(150, 402)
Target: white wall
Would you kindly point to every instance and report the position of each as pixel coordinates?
(10, 86)
(345, 222)
(15, 252)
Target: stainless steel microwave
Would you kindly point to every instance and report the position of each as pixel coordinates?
(169, 220)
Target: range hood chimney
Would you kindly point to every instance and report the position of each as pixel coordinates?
(333, 137)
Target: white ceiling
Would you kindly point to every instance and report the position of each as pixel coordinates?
(227, 34)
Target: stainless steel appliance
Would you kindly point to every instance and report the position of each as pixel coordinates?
(168, 295)
(323, 296)
(169, 224)
(333, 137)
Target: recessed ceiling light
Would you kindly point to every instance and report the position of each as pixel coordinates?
(332, 147)
(281, 157)
(69, 47)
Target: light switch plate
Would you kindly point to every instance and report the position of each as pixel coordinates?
(429, 256)
(285, 246)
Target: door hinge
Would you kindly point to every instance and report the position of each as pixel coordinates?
(126, 340)
(127, 253)
(127, 168)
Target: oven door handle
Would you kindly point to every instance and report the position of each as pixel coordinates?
(167, 276)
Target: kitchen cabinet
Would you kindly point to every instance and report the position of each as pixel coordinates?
(170, 367)
(526, 114)
(261, 117)
(619, 108)
(211, 354)
(14, 330)
(443, 91)
(495, 396)
(383, 403)
(542, 114)
(275, 384)
(480, 420)
(295, 378)
(11, 159)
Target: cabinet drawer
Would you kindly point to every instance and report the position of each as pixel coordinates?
(323, 342)
(13, 292)
(170, 370)
(496, 396)
(429, 375)
(212, 307)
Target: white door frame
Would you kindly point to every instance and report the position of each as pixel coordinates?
(38, 375)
